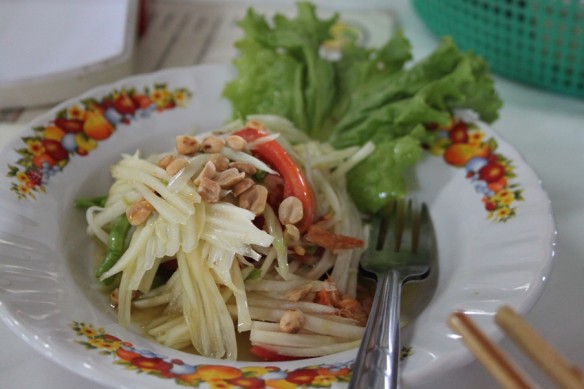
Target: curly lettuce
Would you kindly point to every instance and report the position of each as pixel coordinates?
(367, 94)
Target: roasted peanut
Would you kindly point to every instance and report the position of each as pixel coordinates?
(291, 232)
(187, 145)
(229, 177)
(292, 321)
(138, 212)
(290, 211)
(256, 124)
(164, 161)
(242, 186)
(213, 144)
(236, 142)
(245, 167)
(209, 190)
(208, 171)
(220, 161)
(299, 250)
(176, 164)
(254, 199)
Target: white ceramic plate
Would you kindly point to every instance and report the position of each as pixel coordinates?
(494, 247)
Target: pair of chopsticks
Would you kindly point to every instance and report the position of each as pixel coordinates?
(501, 367)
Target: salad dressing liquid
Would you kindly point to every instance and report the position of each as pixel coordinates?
(414, 298)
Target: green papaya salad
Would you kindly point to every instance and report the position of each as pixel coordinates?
(246, 229)
(257, 227)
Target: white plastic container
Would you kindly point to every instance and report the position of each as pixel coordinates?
(51, 50)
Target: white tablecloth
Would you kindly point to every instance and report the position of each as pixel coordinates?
(548, 130)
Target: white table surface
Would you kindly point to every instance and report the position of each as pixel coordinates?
(548, 130)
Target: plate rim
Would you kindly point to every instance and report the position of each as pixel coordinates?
(455, 359)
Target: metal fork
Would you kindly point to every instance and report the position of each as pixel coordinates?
(399, 250)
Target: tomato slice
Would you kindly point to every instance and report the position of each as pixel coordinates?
(270, 356)
(295, 182)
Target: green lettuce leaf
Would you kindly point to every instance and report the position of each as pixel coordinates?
(281, 71)
(369, 94)
(381, 177)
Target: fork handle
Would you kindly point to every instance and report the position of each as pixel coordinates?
(377, 361)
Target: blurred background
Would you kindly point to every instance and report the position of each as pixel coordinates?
(52, 50)
(540, 42)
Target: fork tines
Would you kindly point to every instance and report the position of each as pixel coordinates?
(403, 220)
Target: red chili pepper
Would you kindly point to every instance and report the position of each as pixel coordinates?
(270, 356)
(295, 183)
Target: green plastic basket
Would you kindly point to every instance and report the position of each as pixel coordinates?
(540, 42)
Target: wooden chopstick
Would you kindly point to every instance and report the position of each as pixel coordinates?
(488, 353)
(559, 369)
(507, 373)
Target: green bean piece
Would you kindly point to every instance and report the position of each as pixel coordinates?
(115, 245)
(86, 202)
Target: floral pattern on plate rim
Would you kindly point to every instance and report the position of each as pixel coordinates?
(215, 376)
(77, 130)
(463, 144)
